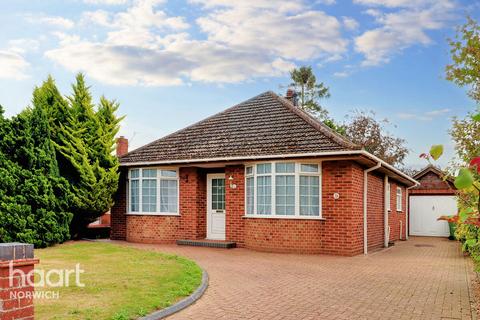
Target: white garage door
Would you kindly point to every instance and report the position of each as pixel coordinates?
(424, 212)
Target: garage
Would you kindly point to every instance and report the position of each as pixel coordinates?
(424, 212)
(434, 197)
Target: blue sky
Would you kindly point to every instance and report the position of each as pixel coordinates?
(172, 63)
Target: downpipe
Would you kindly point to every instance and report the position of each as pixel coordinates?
(386, 227)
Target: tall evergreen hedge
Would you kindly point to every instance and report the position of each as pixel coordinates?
(58, 171)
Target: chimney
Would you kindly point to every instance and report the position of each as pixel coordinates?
(291, 96)
(122, 146)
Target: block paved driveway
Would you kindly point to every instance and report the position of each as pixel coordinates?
(423, 278)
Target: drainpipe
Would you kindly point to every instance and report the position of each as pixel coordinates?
(386, 233)
(365, 206)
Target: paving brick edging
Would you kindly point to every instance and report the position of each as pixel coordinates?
(182, 304)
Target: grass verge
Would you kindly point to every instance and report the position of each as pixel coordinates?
(120, 282)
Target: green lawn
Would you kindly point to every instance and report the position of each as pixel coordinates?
(120, 282)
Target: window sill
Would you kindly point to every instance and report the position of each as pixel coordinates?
(153, 214)
(284, 217)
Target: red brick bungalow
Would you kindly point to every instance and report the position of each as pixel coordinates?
(266, 176)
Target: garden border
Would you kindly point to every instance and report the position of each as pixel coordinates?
(182, 304)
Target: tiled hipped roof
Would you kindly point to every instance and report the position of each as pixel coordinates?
(261, 126)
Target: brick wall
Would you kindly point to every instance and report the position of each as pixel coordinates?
(341, 231)
(118, 218)
(375, 209)
(397, 219)
(432, 183)
(192, 203)
(235, 204)
(284, 235)
(152, 229)
(16, 285)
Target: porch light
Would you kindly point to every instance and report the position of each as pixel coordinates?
(232, 185)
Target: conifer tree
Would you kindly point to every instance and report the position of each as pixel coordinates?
(86, 141)
(58, 171)
(34, 198)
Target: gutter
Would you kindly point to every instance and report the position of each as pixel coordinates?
(278, 156)
(365, 205)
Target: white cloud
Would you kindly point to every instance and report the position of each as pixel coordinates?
(120, 65)
(243, 40)
(373, 12)
(396, 3)
(341, 74)
(23, 45)
(426, 116)
(401, 29)
(350, 23)
(12, 65)
(106, 2)
(438, 112)
(260, 27)
(278, 5)
(98, 17)
(327, 2)
(53, 21)
(142, 15)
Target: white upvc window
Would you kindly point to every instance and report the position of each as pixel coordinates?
(153, 191)
(389, 207)
(283, 189)
(399, 199)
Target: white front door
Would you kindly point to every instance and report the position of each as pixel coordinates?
(216, 206)
(424, 212)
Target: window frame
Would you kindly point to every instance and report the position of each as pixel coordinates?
(159, 178)
(399, 201)
(297, 173)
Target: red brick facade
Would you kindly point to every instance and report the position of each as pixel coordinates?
(432, 184)
(235, 204)
(16, 289)
(376, 213)
(340, 231)
(397, 219)
(118, 217)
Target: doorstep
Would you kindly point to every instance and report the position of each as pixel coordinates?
(208, 243)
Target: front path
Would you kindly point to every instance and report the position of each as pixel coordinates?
(423, 278)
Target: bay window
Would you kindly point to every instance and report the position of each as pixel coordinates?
(153, 191)
(283, 189)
